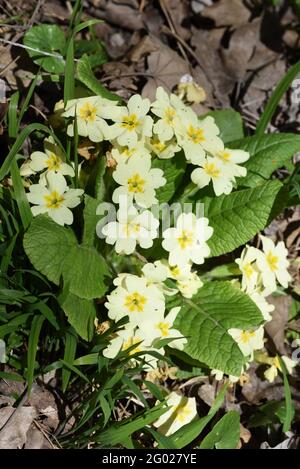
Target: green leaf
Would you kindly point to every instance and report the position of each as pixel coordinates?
(90, 220)
(5, 167)
(174, 170)
(267, 153)
(96, 181)
(53, 250)
(81, 314)
(271, 412)
(118, 432)
(277, 94)
(47, 38)
(19, 191)
(69, 81)
(205, 320)
(230, 124)
(69, 355)
(87, 77)
(34, 335)
(164, 442)
(90, 359)
(225, 434)
(288, 398)
(239, 216)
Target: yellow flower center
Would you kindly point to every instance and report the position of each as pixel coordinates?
(135, 302)
(181, 412)
(211, 170)
(88, 112)
(272, 261)
(131, 228)
(248, 270)
(224, 155)
(164, 328)
(136, 184)
(128, 152)
(129, 343)
(276, 363)
(185, 239)
(175, 270)
(246, 336)
(53, 162)
(54, 200)
(130, 122)
(196, 135)
(169, 115)
(158, 146)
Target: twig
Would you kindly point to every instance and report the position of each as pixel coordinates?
(125, 75)
(174, 32)
(39, 427)
(9, 65)
(21, 402)
(16, 44)
(142, 6)
(39, 4)
(38, 111)
(140, 257)
(192, 53)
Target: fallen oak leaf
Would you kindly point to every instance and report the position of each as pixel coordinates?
(14, 424)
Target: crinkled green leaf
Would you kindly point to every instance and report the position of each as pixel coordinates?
(230, 124)
(80, 313)
(54, 251)
(267, 153)
(205, 320)
(90, 220)
(46, 38)
(239, 216)
(174, 170)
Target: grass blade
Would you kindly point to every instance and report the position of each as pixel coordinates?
(32, 348)
(69, 82)
(28, 98)
(19, 191)
(118, 433)
(275, 98)
(288, 398)
(69, 355)
(5, 168)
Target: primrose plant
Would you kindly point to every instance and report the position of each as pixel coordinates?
(141, 281)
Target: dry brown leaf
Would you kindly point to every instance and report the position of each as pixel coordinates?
(259, 389)
(280, 316)
(268, 77)
(178, 11)
(227, 13)
(207, 392)
(166, 68)
(35, 439)
(123, 14)
(144, 47)
(45, 404)
(207, 48)
(15, 424)
(245, 436)
(54, 10)
(241, 48)
(122, 78)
